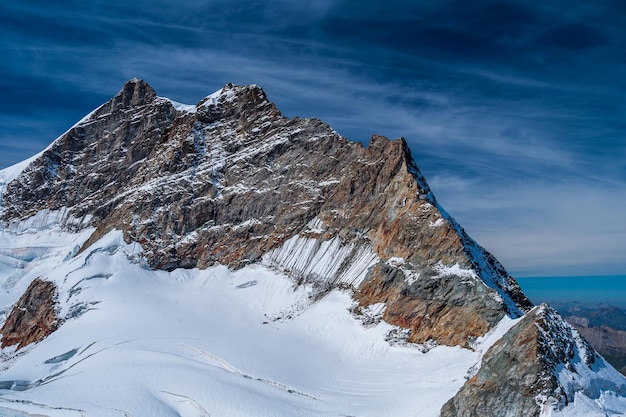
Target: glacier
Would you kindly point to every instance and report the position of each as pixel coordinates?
(208, 342)
(213, 342)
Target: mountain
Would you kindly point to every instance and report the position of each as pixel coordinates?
(610, 342)
(603, 325)
(222, 259)
(596, 315)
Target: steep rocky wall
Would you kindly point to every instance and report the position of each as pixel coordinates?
(518, 374)
(440, 307)
(229, 182)
(33, 317)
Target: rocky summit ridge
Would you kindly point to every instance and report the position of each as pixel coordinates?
(231, 181)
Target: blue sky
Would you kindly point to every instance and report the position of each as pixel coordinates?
(515, 110)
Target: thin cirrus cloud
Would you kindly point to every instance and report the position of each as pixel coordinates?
(514, 110)
(550, 231)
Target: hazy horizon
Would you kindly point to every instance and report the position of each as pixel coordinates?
(589, 290)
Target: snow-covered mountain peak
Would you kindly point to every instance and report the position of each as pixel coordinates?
(280, 223)
(232, 92)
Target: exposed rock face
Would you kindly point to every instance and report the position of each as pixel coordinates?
(192, 187)
(432, 305)
(33, 317)
(522, 373)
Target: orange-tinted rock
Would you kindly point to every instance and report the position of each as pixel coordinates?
(444, 309)
(34, 316)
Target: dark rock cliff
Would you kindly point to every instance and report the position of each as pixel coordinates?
(33, 317)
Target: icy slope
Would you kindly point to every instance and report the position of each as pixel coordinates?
(138, 342)
(213, 342)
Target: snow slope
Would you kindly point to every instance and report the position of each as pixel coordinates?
(138, 342)
(212, 342)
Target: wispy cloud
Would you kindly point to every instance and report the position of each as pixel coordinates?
(543, 228)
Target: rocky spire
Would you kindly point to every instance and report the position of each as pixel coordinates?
(135, 93)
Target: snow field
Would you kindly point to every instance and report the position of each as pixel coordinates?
(215, 342)
(329, 261)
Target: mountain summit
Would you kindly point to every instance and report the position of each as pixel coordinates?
(151, 198)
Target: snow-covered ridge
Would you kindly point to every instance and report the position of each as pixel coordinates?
(587, 379)
(209, 100)
(187, 108)
(213, 98)
(485, 266)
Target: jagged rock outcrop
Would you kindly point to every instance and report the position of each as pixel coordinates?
(603, 326)
(34, 316)
(432, 304)
(537, 365)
